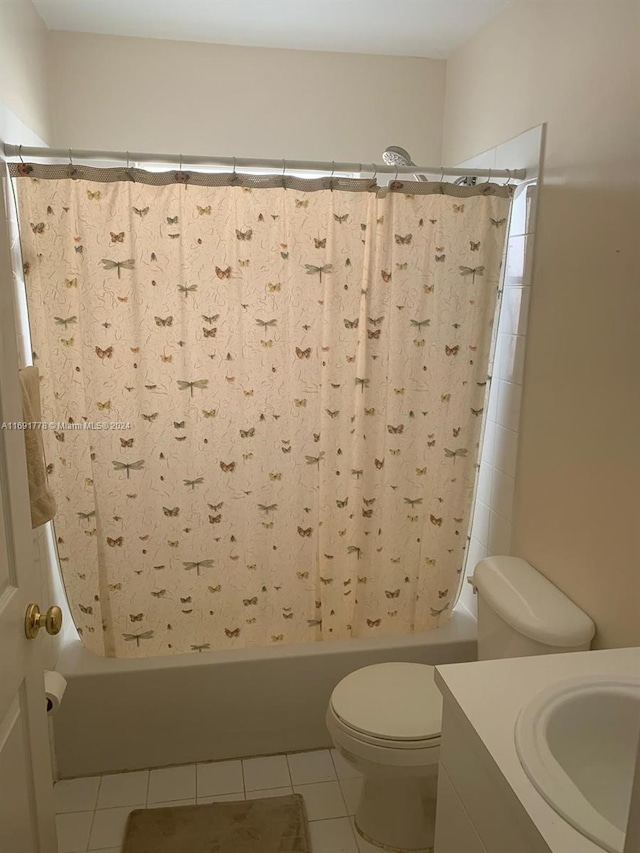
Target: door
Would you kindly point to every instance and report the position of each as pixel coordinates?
(26, 789)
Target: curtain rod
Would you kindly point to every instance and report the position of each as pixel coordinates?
(240, 163)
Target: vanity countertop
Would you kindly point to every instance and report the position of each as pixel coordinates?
(490, 694)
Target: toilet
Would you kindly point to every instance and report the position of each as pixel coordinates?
(385, 720)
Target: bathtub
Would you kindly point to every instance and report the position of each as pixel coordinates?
(152, 712)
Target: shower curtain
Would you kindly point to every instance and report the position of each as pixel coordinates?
(268, 394)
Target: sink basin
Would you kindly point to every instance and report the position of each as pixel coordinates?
(577, 743)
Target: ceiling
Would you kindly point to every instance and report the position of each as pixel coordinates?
(431, 28)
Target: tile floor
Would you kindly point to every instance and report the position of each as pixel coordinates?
(92, 812)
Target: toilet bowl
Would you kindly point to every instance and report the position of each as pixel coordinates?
(385, 721)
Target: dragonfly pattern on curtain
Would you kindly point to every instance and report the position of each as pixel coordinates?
(304, 374)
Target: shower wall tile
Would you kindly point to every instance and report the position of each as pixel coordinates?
(510, 358)
(505, 451)
(499, 538)
(493, 509)
(481, 518)
(502, 492)
(477, 552)
(489, 442)
(515, 310)
(485, 476)
(509, 396)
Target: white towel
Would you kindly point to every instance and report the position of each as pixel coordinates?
(43, 503)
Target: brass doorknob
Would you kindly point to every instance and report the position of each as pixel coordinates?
(51, 621)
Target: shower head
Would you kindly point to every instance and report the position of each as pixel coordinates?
(393, 155)
(396, 156)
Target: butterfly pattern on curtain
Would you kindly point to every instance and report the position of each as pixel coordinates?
(304, 374)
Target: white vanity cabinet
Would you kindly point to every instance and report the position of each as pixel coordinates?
(486, 801)
(477, 811)
(454, 831)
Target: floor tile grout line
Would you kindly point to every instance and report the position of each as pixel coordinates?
(93, 816)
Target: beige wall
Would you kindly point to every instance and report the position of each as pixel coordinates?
(132, 94)
(23, 65)
(576, 65)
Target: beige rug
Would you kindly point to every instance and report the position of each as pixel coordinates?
(270, 825)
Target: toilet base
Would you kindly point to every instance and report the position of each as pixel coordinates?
(398, 812)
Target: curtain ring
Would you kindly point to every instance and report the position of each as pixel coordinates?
(234, 165)
(180, 162)
(508, 181)
(20, 153)
(375, 171)
(70, 160)
(333, 169)
(127, 159)
(442, 175)
(284, 169)
(489, 177)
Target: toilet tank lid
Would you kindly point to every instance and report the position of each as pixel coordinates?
(529, 603)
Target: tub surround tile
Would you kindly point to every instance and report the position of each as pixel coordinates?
(509, 403)
(269, 792)
(351, 790)
(483, 492)
(343, 769)
(323, 800)
(516, 310)
(73, 829)
(481, 519)
(503, 489)
(123, 789)
(269, 772)
(332, 836)
(220, 777)
(172, 783)
(307, 767)
(76, 795)
(516, 253)
(499, 541)
(506, 450)
(108, 827)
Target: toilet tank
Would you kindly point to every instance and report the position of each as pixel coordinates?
(521, 613)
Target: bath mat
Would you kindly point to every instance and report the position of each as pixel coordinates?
(270, 825)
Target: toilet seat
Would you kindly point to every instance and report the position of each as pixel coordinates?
(392, 705)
